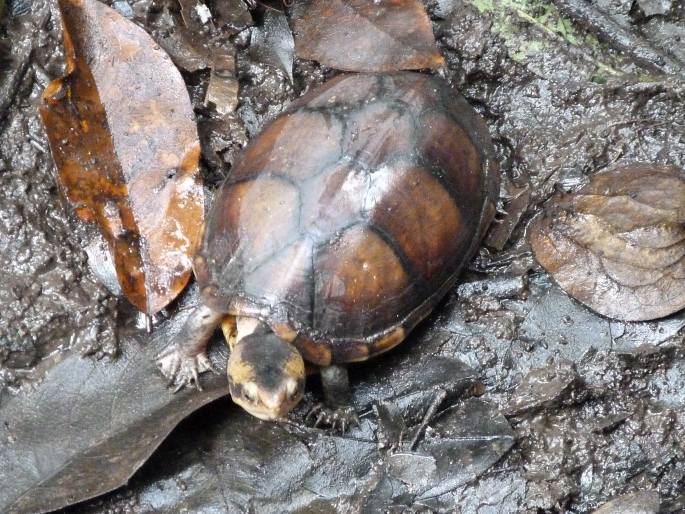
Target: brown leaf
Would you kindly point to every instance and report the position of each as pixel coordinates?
(365, 35)
(123, 137)
(618, 244)
(222, 91)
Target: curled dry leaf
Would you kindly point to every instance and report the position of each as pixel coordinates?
(618, 244)
(365, 35)
(123, 137)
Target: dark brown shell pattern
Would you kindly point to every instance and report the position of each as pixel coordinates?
(349, 217)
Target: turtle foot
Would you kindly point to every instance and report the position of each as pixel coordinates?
(337, 418)
(182, 369)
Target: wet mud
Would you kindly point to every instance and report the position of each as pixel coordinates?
(543, 405)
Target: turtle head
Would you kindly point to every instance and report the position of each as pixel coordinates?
(265, 375)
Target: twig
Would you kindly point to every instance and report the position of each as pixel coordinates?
(440, 396)
(600, 24)
(9, 89)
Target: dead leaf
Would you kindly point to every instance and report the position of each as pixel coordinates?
(272, 42)
(222, 91)
(500, 232)
(645, 502)
(196, 16)
(123, 137)
(232, 16)
(188, 50)
(618, 244)
(365, 35)
(466, 439)
(87, 427)
(545, 387)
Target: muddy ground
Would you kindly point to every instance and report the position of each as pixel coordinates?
(549, 407)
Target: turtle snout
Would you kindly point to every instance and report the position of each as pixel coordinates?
(282, 399)
(267, 404)
(273, 402)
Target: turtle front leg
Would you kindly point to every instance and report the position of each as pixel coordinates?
(336, 412)
(186, 357)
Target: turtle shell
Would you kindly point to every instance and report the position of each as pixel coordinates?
(349, 217)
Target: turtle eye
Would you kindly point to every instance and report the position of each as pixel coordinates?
(291, 389)
(250, 394)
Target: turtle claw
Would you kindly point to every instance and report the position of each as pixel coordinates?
(182, 369)
(338, 419)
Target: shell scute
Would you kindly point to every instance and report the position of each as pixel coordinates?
(336, 94)
(285, 279)
(379, 134)
(286, 147)
(258, 217)
(421, 217)
(359, 268)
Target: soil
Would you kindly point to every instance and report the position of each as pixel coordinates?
(595, 408)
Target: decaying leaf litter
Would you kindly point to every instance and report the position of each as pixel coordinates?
(127, 158)
(375, 36)
(506, 321)
(618, 244)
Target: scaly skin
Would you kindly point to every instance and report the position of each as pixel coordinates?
(186, 357)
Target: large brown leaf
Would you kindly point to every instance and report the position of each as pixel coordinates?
(365, 35)
(123, 137)
(89, 425)
(618, 244)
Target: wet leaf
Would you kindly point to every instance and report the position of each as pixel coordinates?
(272, 42)
(365, 35)
(196, 15)
(89, 425)
(544, 388)
(224, 460)
(569, 330)
(500, 232)
(101, 264)
(465, 440)
(123, 137)
(618, 244)
(642, 502)
(188, 50)
(233, 16)
(222, 91)
(244, 464)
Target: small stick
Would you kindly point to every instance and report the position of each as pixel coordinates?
(440, 396)
(640, 50)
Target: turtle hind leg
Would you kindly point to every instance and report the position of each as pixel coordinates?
(336, 411)
(186, 357)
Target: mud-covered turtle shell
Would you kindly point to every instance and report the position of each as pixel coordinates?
(349, 217)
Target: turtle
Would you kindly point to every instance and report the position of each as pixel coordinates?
(338, 229)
